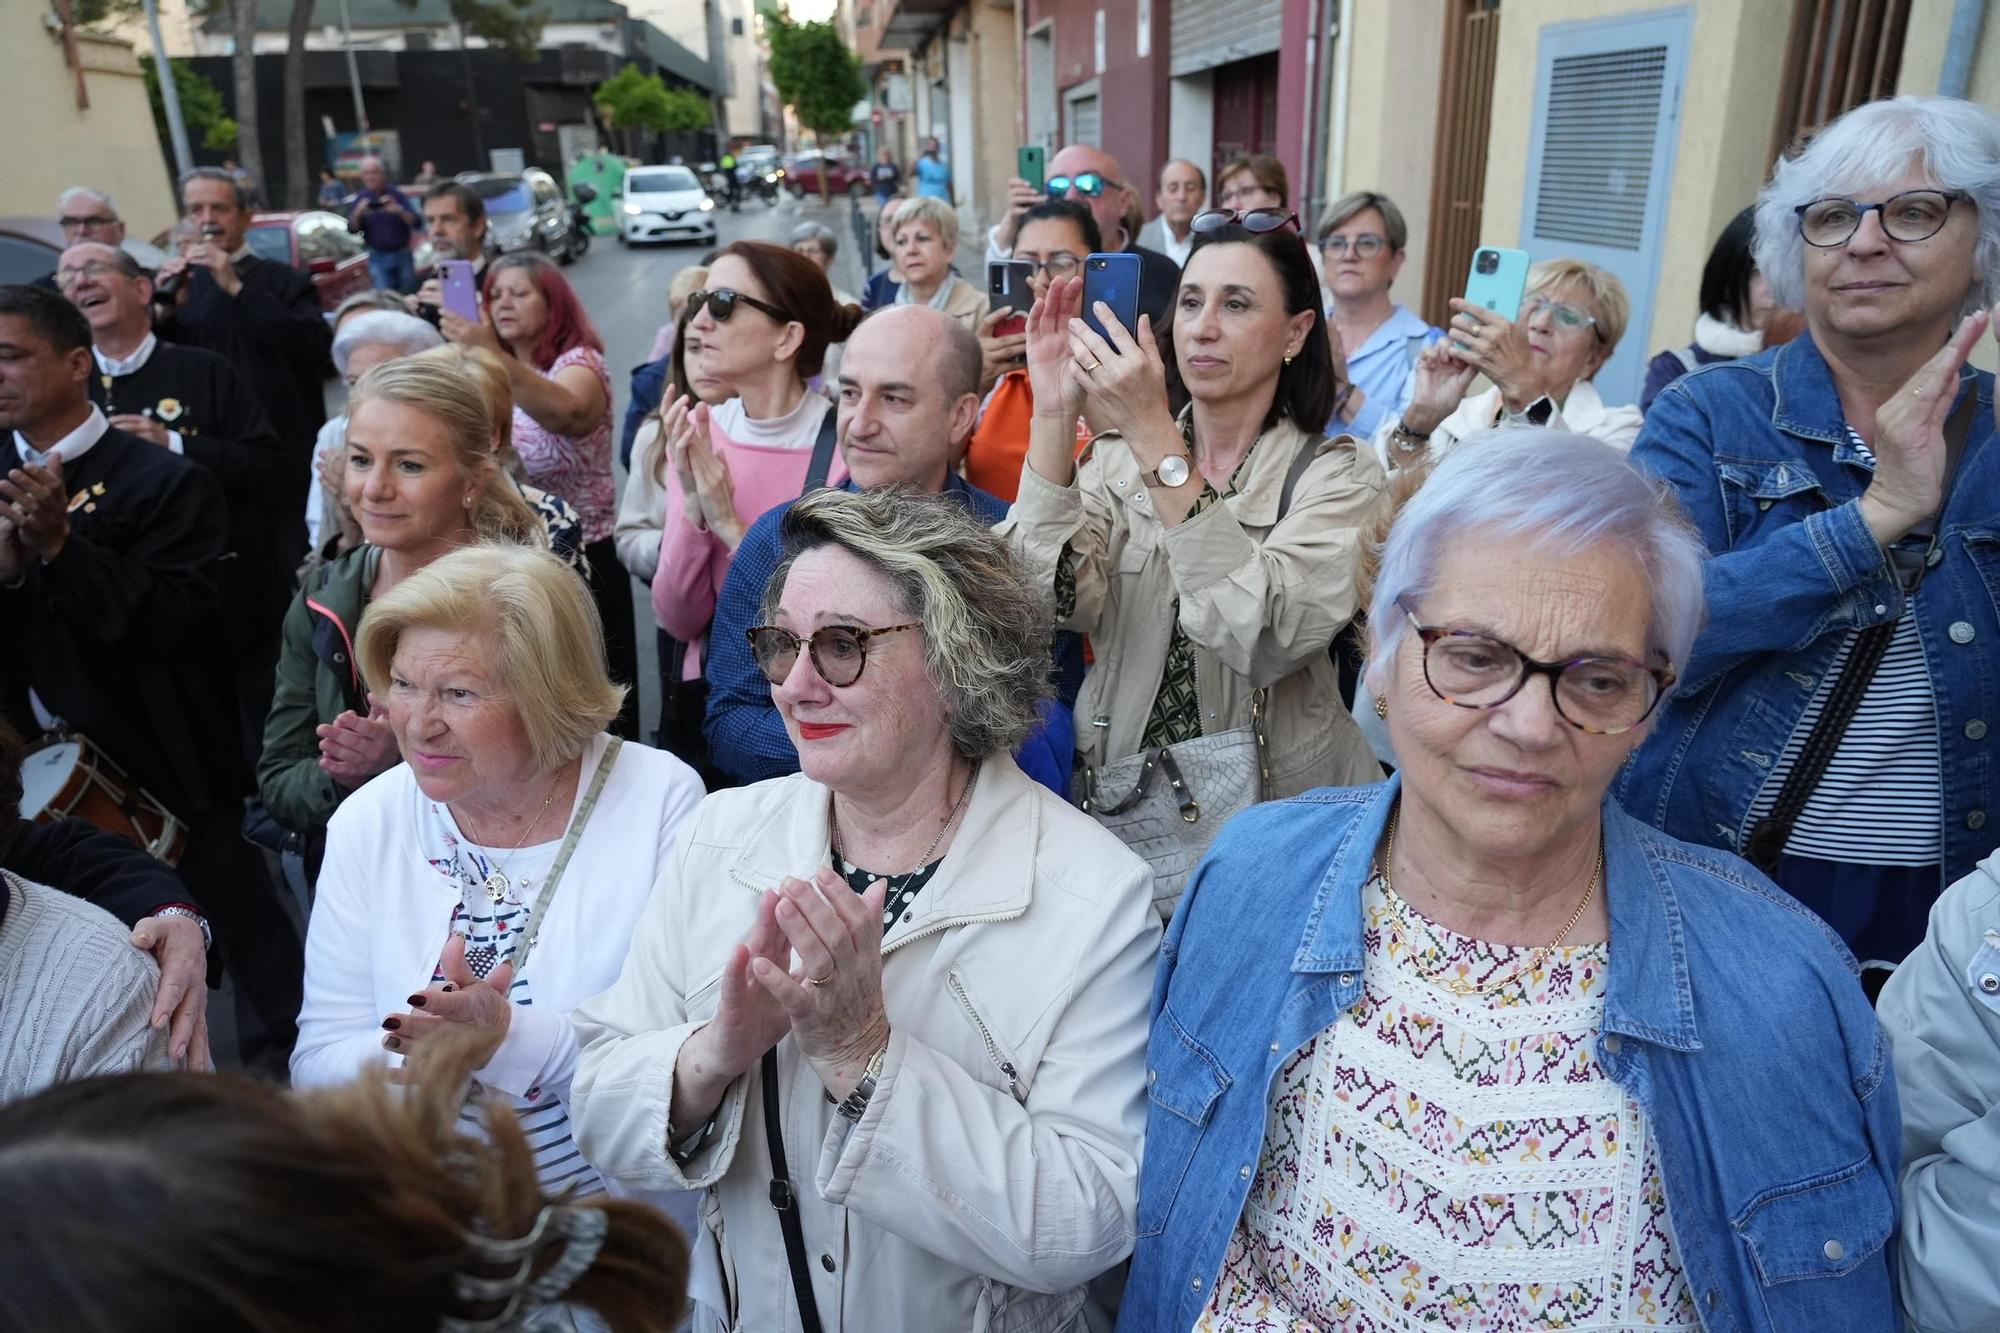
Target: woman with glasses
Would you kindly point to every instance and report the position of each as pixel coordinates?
(1055, 237)
(1375, 341)
(765, 323)
(1834, 724)
(1540, 367)
(902, 991)
(925, 241)
(1210, 541)
(1473, 1048)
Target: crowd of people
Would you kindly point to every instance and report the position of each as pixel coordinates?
(1281, 815)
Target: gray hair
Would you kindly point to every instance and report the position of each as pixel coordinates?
(1350, 206)
(829, 243)
(1956, 143)
(404, 332)
(986, 630)
(215, 174)
(75, 192)
(1569, 493)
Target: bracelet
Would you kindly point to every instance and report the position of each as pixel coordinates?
(188, 910)
(691, 1147)
(1407, 440)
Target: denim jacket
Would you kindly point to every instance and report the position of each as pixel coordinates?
(1758, 453)
(1733, 1016)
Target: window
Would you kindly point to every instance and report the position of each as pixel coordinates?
(22, 260)
(1841, 54)
(270, 242)
(736, 27)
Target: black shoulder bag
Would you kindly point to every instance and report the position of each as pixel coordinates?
(785, 1199)
(822, 455)
(1912, 558)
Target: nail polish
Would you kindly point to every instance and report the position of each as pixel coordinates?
(392, 1024)
(418, 1002)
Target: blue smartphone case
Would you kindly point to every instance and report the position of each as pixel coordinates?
(1114, 280)
(1498, 280)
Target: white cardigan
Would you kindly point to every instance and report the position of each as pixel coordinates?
(382, 916)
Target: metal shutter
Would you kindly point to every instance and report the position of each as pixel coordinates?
(1083, 121)
(1600, 160)
(1207, 33)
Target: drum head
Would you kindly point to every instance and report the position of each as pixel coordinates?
(45, 773)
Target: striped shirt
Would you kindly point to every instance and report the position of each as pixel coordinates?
(1881, 799)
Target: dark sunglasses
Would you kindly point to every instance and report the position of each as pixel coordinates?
(722, 304)
(838, 651)
(1087, 183)
(1258, 220)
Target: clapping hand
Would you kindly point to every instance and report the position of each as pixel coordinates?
(464, 999)
(353, 748)
(834, 1003)
(33, 499)
(1909, 445)
(698, 462)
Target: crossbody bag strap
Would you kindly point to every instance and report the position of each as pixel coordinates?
(1911, 558)
(1307, 451)
(533, 930)
(785, 1199)
(821, 463)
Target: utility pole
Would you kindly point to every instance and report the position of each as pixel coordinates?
(353, 68)
(170, 93)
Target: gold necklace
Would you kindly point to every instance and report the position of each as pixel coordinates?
(895, 886)
(496, 883)
(1457, 985)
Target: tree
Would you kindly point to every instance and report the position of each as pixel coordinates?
(243, 64)
(208, 120)
(298, 180)
(642, 103)
(819, 78)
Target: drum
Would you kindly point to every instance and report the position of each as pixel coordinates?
(72, 779)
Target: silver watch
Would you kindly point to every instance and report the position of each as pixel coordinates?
(207, 939)
(857, 1101)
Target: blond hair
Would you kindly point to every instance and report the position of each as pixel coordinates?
(1600, 285)
(449, 385)
(684, 284)
(544, 643)
(942, 217)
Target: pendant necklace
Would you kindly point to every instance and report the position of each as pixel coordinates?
(496, 883)
(896, 886)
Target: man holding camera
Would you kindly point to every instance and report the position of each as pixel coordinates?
(387, 221)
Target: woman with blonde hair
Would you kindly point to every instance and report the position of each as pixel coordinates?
(422, 476)
(926, 239)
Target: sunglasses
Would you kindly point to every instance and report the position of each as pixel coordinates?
(1256, 220)
(722, 304)
(1086, 183)
(839, 652)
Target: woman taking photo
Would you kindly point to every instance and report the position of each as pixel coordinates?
(562, 425)
(1833, 725)
(1473, 1048)
(827, 1000)
(1210, 554)
(926, 239)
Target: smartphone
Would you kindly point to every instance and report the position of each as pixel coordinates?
(460, 292)
(1007, 289)
(1498, 281)
(1031, 164)
(1114, 280)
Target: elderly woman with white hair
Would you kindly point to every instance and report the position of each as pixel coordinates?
(1541, 367)
(902, 993)
(1475, 1048)
(1833, 724)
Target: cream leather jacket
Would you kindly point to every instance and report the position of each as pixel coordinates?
(994, 1171)
(1260, 600)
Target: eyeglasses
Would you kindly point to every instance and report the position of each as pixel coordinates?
(85, 223)
(838, 651)
(1086, 183)
(1365, 246)
(1055, 266)
(96, 268)
(1565, 315)
(722, 304)
(1914, 215)
(1257, 220)
(1600, 695)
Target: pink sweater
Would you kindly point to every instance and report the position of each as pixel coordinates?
(694, 562)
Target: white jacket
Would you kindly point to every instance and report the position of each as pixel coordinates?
(994, 1171)
(1583, 412)
(642, 507)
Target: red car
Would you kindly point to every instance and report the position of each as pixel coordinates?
(319, 243)
(843, 176)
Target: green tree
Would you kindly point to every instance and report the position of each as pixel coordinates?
(207, 118)
(637, 103)
(819, 78)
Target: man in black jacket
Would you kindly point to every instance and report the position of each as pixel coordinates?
(108, 545)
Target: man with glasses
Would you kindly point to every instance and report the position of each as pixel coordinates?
(1090, 176)
(908, 399)
(85, 214)
(1375, 341)
(195, 404)
(1183, 187)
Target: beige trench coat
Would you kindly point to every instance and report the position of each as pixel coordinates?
(1260, 600)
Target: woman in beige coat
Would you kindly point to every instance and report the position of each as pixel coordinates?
(1214, 554)
(937, 969)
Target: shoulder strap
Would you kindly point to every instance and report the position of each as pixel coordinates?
(822, 455)
(1687, 358)
(533, 930)
(1307, 451)
(784, 1200)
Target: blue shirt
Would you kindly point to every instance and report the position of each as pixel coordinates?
(1732, 1015)
(933, 178)
(1385, 370)
(747, 737)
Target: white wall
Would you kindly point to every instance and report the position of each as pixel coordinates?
(1190, 126)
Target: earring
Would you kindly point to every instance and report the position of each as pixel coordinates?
(1381, 707)
(469, 499)
(1288, 358)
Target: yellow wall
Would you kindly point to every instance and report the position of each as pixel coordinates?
(1728, 104)
(112, 146)
(1395, 66)
(1924, 51)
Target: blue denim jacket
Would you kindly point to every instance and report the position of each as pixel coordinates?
(1758, 453)
(1732, 1015)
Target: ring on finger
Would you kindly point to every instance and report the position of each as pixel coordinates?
(1087, 369)
(817, 982)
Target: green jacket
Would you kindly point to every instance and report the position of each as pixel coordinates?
(318, 680)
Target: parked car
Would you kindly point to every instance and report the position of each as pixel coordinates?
(30, 247)
(843, 176)
(525, 210)
(664, 204)
(318, 243)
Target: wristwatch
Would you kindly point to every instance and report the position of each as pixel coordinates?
(1173, 471)
(182, 909)
(857, 1101)
(1406, 441)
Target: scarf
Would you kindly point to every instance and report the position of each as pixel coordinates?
(938, 297)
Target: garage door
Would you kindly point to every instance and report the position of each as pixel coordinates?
(1207, 33)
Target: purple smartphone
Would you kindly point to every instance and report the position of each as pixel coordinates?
(460, 292)
(1114, 280)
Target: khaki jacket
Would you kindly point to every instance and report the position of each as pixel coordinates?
(1261, 603)
(995, 1169)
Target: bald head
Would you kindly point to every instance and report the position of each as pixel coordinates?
(911, 336)
(909, 396)
(1109, 205)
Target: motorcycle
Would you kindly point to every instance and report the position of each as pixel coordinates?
(579, 221)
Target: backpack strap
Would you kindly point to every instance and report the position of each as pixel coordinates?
(822, 454)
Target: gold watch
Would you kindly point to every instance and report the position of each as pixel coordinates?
(1172, 472)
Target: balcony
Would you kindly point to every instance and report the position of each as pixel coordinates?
(907, 24)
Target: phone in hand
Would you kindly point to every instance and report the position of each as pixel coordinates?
(1114, 280)
(1007, 289)
(1498, 281)
(1031, 165)
(459, 291)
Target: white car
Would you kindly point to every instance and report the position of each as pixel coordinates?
(664, 204)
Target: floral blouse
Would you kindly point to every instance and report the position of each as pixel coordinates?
(577, 468)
